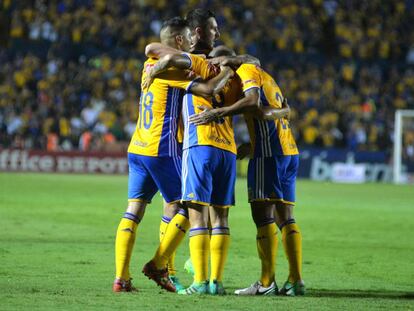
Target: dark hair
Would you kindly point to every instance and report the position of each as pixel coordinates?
(198, 17)
(176, 23)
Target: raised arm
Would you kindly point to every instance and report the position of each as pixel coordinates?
(179, 61)
(158, 50)
(235, 61)
(213, 86)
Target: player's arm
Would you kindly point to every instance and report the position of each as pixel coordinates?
(178, 61)
(272, 113)
(235, 61)
(250, 103)
(213, 86)
(158, 50)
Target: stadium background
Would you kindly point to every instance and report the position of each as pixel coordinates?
(70, 70)
(69, 82)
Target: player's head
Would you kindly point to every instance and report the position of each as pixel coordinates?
(176, 33)
(222, 50)
(204, 28)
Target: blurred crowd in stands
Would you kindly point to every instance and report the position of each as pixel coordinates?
(70, 69)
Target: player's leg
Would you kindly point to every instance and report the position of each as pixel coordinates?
(266, 240)
(219, 245)
(170, 210)
(263, 185)
(196, 193)
(171, 185)
(141, 189)
(266, 243)
(174, 233)
(199, 248)
(222, 197)
(124, 244)
(291, 234)
(166, 174)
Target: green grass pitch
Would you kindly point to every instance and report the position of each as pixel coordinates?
(57, 248)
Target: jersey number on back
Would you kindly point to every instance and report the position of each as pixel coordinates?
(145, 110)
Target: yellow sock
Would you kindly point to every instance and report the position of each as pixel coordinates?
(219, 245)
(173, 236)
(267, 241)
(171, 261)
(171, 265)
(124, 243)
(292, 242)
(163, 226)
(199, 252)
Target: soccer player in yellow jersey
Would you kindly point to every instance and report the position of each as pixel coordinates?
(208, 176)
(154, 157)
(271, 175)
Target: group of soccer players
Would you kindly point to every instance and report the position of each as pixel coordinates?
(184, 147)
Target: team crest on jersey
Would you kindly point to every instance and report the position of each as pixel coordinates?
(190, 195)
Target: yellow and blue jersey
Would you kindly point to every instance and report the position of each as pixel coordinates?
(218, 134)
(157, 132)
(268, 137)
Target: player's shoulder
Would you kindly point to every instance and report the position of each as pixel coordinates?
(195, 57)
(249, 68)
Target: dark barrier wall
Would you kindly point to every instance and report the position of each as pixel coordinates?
(62, 162)
(315, 163)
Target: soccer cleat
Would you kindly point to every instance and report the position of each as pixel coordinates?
(293, 289)
(195, 289)
(123, 286)
(216, 288)
(258, 289)
(159, 276)
(188, 266)
(176, 282)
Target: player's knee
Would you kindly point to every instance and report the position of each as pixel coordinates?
(283, 213)
(198, 215)
(262, 213)
(137, 208)
(170, 209)
(219, 216)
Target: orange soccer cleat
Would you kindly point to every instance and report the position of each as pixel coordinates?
(159, 276)
(123, 286)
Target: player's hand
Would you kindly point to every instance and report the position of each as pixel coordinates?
(286, 105)
(221, 61)
(147, 80)
(207, 115)
(213, 68)
(216, 61)
(224, 68)
(243, 151)
(191, 75)
(231, 61)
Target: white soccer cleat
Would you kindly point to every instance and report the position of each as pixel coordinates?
(258, 289)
